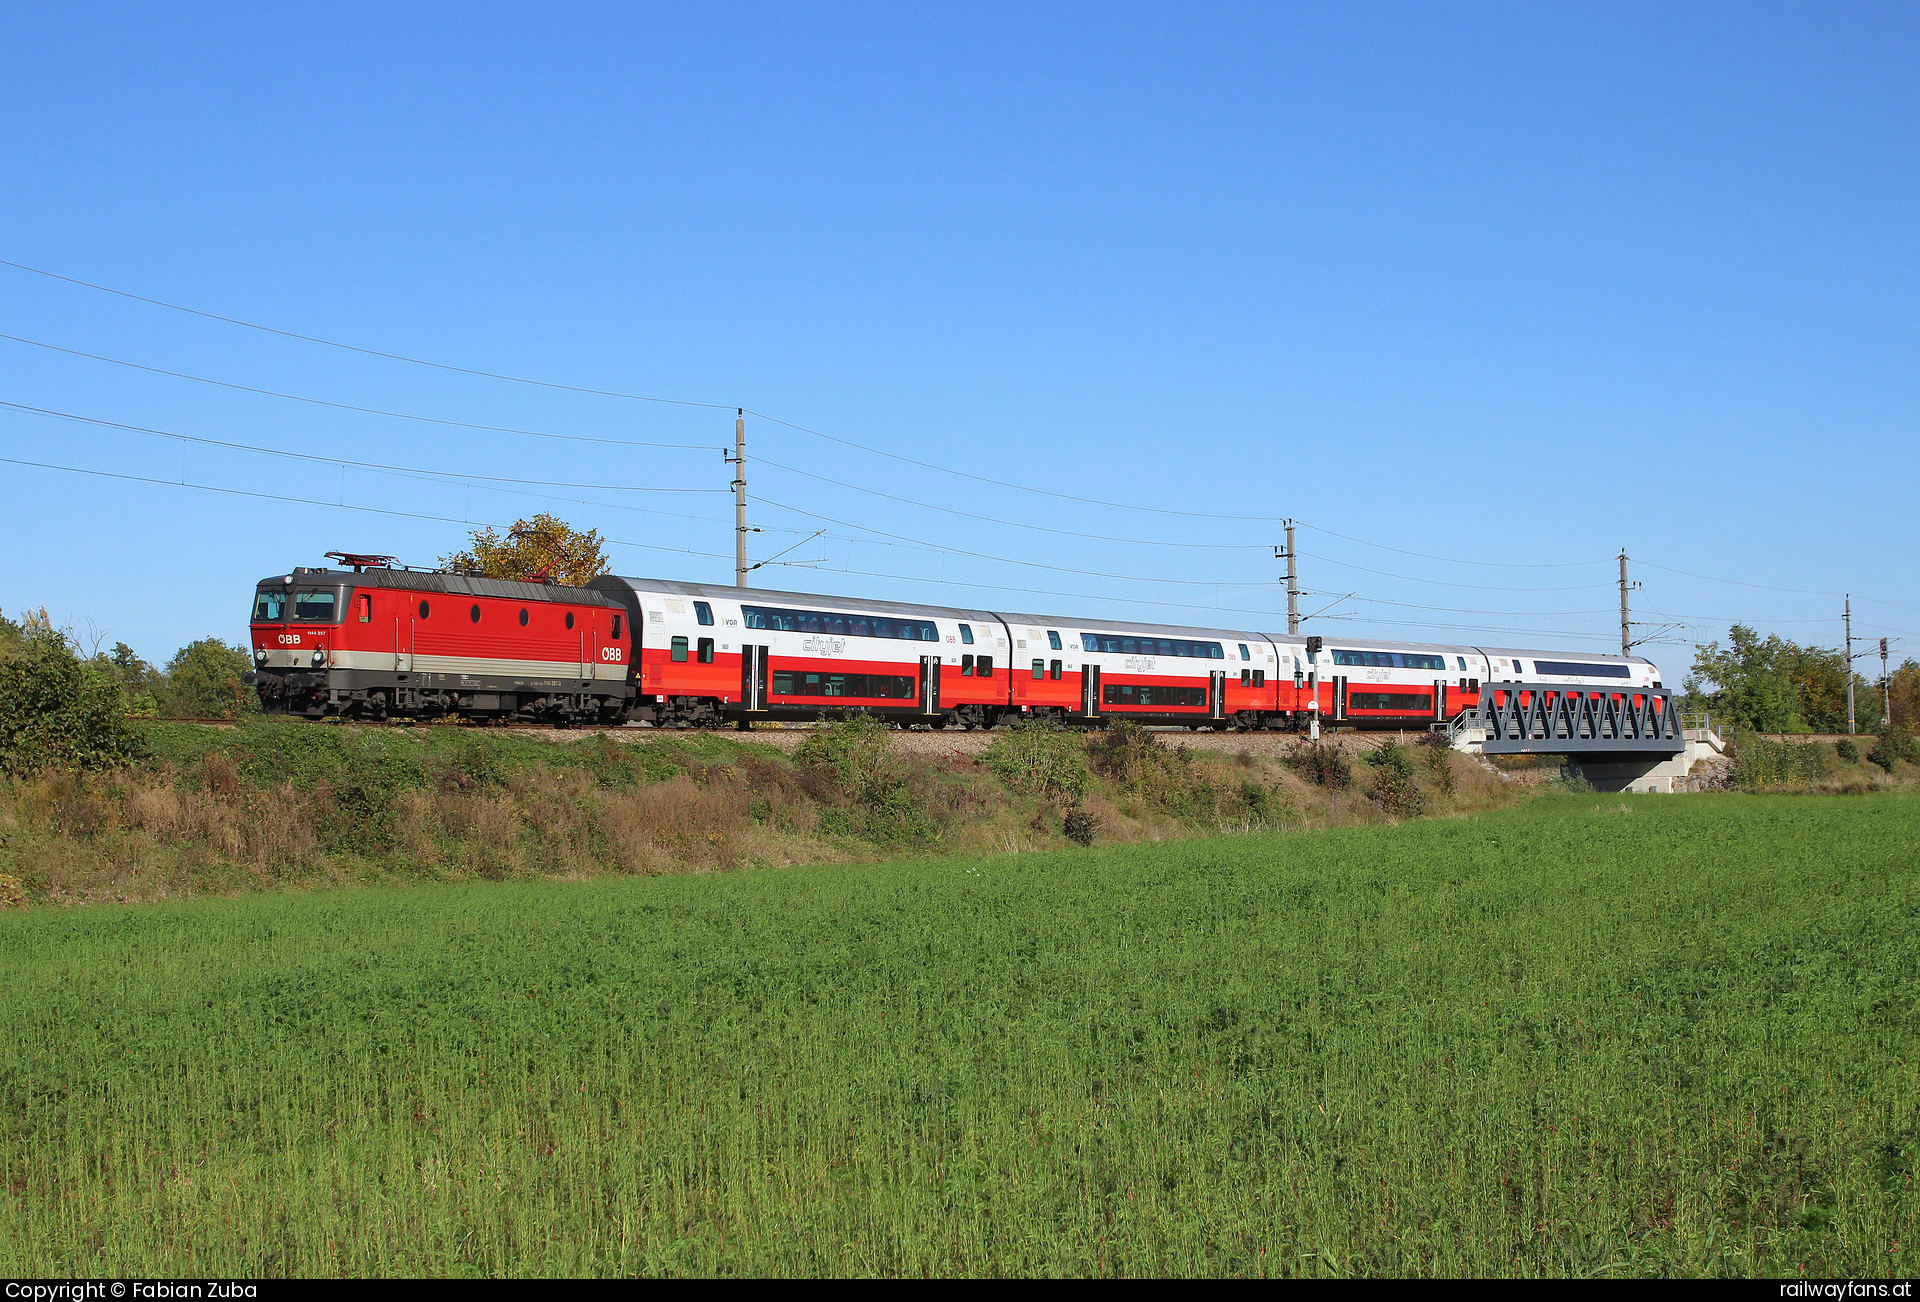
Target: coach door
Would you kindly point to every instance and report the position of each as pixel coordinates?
(753, 677)
(1217, 695)
(1439, 698)
(1339, 696)
(1090, 690)
(929, 684)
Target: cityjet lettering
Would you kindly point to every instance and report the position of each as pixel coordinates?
(824, 646)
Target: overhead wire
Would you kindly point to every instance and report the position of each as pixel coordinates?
(370, 352)
(347, 406)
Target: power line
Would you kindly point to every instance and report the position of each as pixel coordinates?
(370, 352)
(1443, 583)
(1454, 560)
(1009, 560)
(1013, 524)
(307, 501)
(347, 406)
(339, 461)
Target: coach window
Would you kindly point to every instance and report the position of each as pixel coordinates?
(706, 650)
(966, 636)
(1053, 640)
(473, 613)
(1246, 678)
(966, 664)
(1039, 669)
(1259, 678)
(680, 650)
(423, 610)
(1244, 653)
(523, 617)
(616, 628)
(984, 667)
(1463, 663)
(569, 619)
(1053, 669)
(703, 612)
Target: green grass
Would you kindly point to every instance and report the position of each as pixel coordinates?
(1588, 1035)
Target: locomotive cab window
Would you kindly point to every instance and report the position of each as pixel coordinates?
(616, 628)
(705, 650)
(270, 606)
(701, 612)
(679, 650)
(317, 606)
(966, 637)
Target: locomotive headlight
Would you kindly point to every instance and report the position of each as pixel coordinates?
(259, 655)
(319, 657)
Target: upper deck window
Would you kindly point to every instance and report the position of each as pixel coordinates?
(1111, 644)
(270, 605)
(703, 613)
(781, 620)
(316, 605)
(1572, 670)
(1390, 660)
(966, 635)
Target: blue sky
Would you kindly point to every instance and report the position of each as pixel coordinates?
(1504, 284)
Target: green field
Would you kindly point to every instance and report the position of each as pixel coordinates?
(1588, 1035)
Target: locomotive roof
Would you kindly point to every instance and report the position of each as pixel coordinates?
(773, 596)
(469, 585)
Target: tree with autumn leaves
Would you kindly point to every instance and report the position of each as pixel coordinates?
(534, 550)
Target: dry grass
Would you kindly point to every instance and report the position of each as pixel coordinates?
(232, 811)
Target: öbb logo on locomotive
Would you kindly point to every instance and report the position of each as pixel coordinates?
(414, 644)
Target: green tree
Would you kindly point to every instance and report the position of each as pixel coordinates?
(1773, 685)
(57, 710)
(203, 682)
(541, 548)
(1903, 688)
(141, 681)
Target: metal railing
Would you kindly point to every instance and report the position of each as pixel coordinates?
(1700, 721)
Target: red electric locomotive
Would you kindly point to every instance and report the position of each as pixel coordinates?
(375, 642)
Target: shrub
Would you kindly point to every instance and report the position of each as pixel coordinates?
(1040, 759)
(1572, 777)
(1759, 762)
(12, 894)
(1078, 825)
(203, 682)
(57, 711)
(1324, 766)
(854, 759)
(1393, 786)
(1439, 764)
(1848, 752)
(1893, 745)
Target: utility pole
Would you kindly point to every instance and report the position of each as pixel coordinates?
(1886, 688)
(1626, 622)
(739, 460)
(1293, 584)
(1851, 729)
